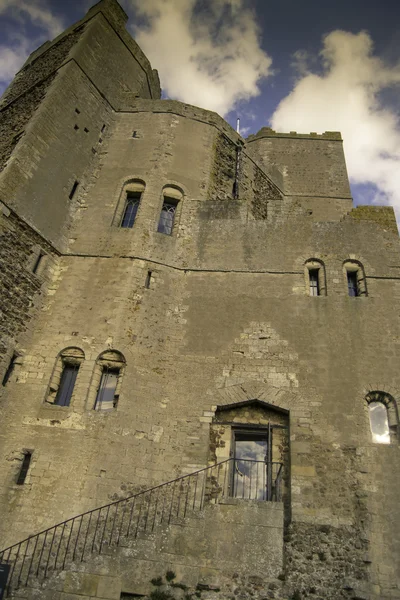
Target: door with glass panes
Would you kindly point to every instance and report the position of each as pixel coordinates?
(252, 460)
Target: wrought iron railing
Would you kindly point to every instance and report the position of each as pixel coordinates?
(73, 540)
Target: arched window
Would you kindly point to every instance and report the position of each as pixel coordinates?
(383, 416)
(107, 380)
(355, 278)
(64, 376)
(172, 198)
(315, 277)
(129, 203)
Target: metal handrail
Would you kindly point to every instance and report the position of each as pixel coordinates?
(40, 555)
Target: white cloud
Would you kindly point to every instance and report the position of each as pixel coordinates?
(346, 98)
(208, 53)
(23, 15)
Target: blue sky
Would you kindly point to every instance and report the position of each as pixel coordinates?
(296, 66)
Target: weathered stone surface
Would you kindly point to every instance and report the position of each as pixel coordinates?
(217, 331)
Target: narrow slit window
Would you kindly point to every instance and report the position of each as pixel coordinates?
(24, 468)
(379, 422)
(314, 282)
(67, 384)
(73, 190)
(10, 370)
(148, 279)
(167, 216)
(106, 398)
(352, 284)
(103, 128)
(130, 210)
(38, 262)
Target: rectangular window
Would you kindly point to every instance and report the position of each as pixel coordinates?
(38, 261)
(167, 216)
(314, 282)
(73, 190)
(67, 383)
(24, 468)
(147, 283)
(106, 398)
(352, 283)
(130, 209)
(10, 370)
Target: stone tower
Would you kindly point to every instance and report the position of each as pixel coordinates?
(199, 333)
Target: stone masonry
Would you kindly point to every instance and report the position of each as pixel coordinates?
(210, 334)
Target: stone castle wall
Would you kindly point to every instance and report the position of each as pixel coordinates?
(227, 318)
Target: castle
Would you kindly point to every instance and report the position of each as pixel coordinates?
(199, 346)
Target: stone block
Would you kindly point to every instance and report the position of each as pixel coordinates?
(83, 584)
(109, 587)
(303, 471)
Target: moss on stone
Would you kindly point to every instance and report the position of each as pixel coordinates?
(381, 215)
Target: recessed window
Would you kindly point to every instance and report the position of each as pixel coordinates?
(73, 190)
(107, 380)
(64, 376)
(379, 422)
(250, 474)
(383, 417)
(130, 210)
(26, 461)
(314, 285)
(147, 283)
(38, 263)
(315, 277)
(128, 204)
(106, 398)
(172, 197)
(352, 284)
(67, 384)
(355, 278)
(167, 216)
(10, 370)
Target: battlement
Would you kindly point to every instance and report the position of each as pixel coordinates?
(267, 132)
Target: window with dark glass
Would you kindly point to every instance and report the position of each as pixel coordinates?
(314, 282)
(130, 209)
(352, 283)
(147, 283)
(106, 398)
(24, 468)
(38, 262)
(10, 370)
(167, 216)
(67, 384)
(63, 379)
